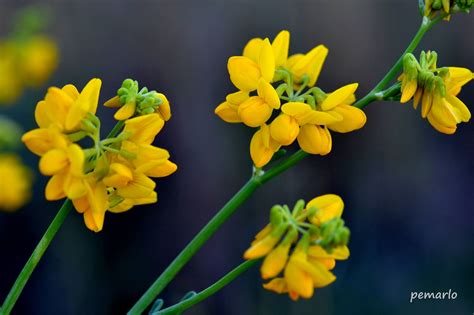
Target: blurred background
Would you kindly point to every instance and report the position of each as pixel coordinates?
(407, 188)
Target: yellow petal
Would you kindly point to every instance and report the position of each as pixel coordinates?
(162, 170)
(268, 93)
(409, 91)
(284, 129)
(140, 187)
(440, 127)
(244, 73)
(119, 176)
(252, 49)
(54, 189)
(262, 148)
(164, 108)
(254, 112)
(53, 162)
(114, 102)
(329, 206)
(277, 285)
(460, 109)
(280, 47)
(144, 129)
(237, 98)
(266, 61)
(353, 119)
(275, 261)
(76, 159)
(298, 280)
(86, 103)
(126, 111)
(338, 96)
(310, 64)
(339, 253)
(227, 113)
(314, 140)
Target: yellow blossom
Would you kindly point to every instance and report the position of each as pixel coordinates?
(263, 146)
(245, 73)
(16, 191)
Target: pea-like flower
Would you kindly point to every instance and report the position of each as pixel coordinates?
(301, 246)
(436, 89)
(115, 173)
(306, 115)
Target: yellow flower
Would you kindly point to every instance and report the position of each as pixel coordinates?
(66, 107)
(263, 146)
(66, 166)
(93, 204)
(279, 46)
(322, 240)
(16, 191)
(245, 72)
(39, 58)
(309, 64)
(328, 207)
(301, 276)
(228, 110)
(438, 96)
(256, 110)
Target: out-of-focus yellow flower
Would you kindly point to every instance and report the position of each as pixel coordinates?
(301, 247)
(436, 89)
(15, 183)
(306, 115)
(112, 175)
(39, 58)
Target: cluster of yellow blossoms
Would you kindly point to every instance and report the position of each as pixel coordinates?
(317, 237)
(436, 89)
(112, 174)
(25, 62)
(302, 115)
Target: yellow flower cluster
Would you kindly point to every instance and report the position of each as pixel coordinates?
(305, 116)
(436, 89)
(15, 183)
(25, 62)
(111, 175)
(302, 245)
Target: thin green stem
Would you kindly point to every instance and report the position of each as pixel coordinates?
(425, 26)
(204, 294)
(35, 257)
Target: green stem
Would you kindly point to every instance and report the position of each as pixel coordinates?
(35, 257)
(204, 294)
(42, 246)
(198, 241)
(425, 26)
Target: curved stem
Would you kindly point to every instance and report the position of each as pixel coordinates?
(204, 294)
(35, 257)
(42, 246)
(425, 26)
